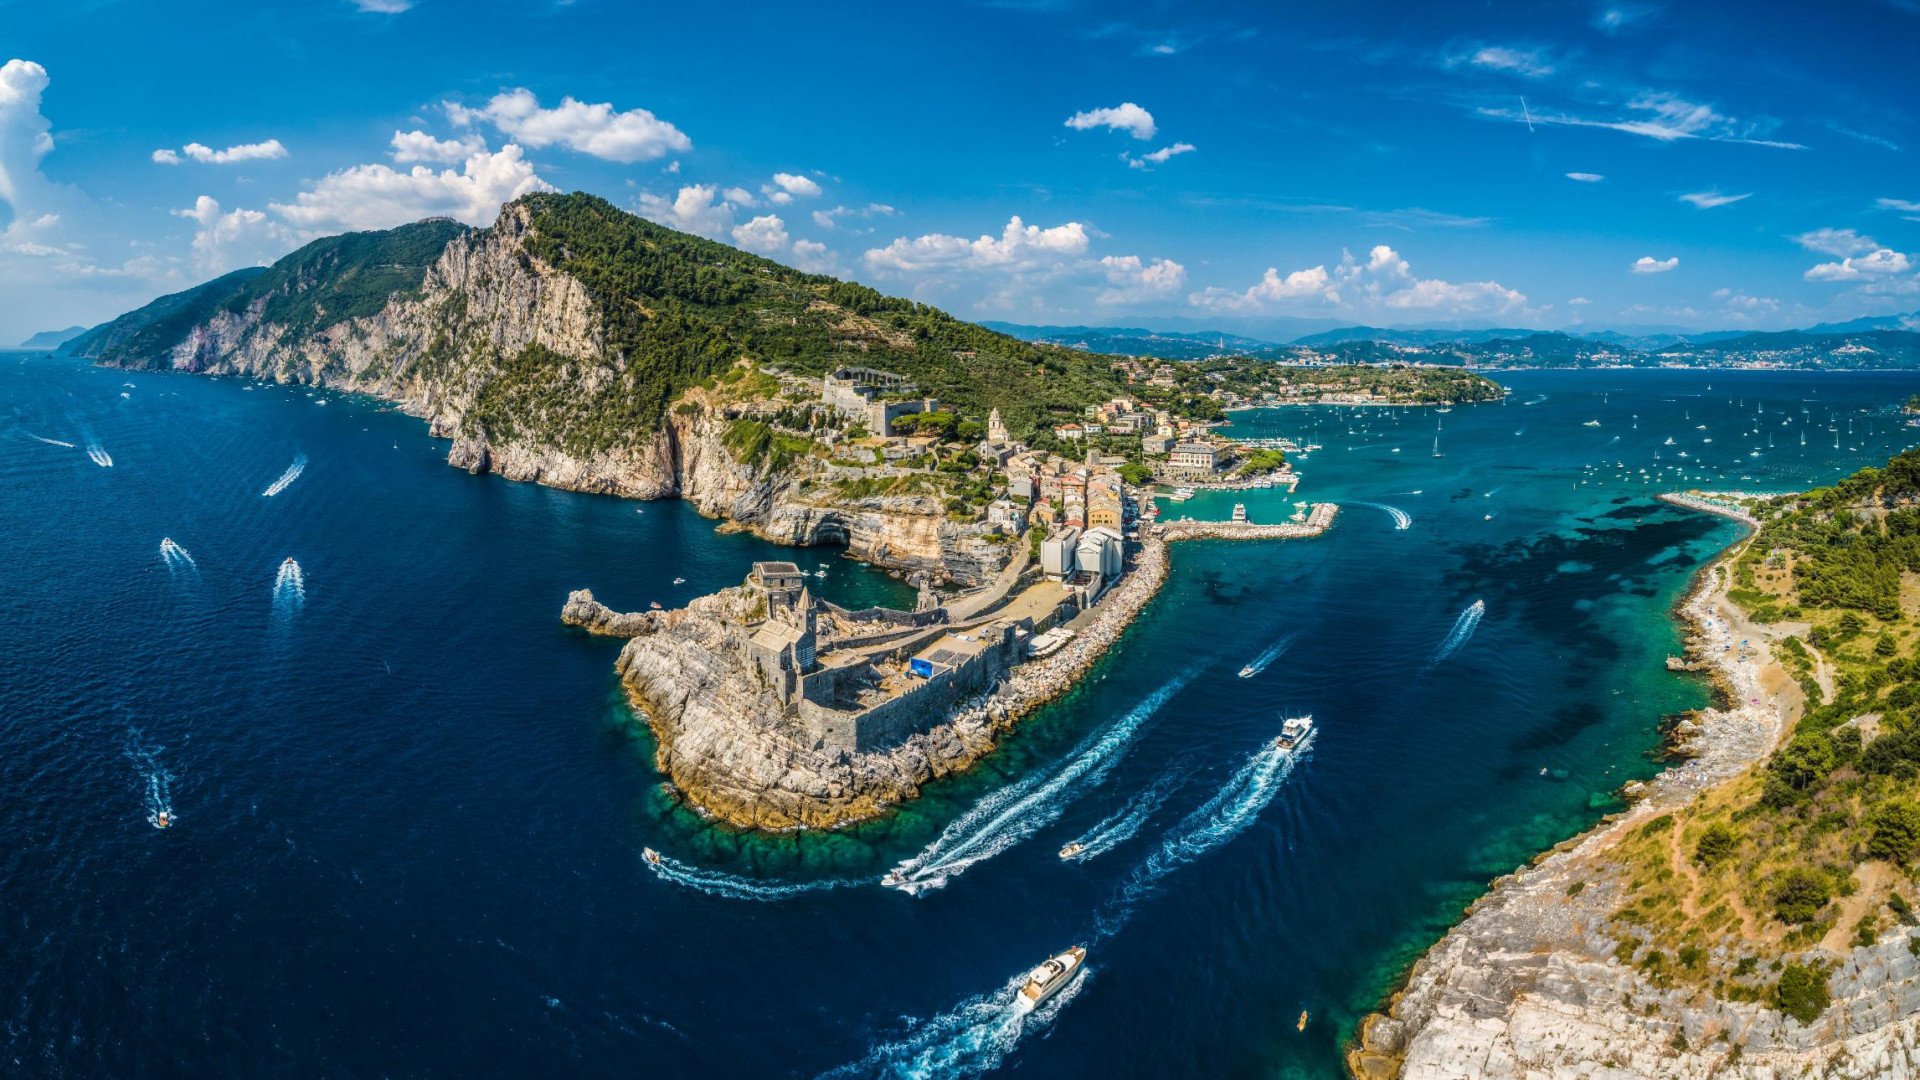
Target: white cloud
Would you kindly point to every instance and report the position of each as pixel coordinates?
(1837, 242)
(1125, 116)
(1517, 61)
(694, 210)
(596, 130)
(1647, 264)
(1384, 282)
(1880, 263)
(1740, 304)
(1160, 156)
(1131, 279)
(765, 234)
(1586, 177)
(789, 186)
(828, 219)
(1907, 206)
(383, 7)
(416, 145)
(740, 196)
(380, 197)
(1579, 301)
(813, 257)
(24, 138)
(1019, 246)
(239, 237)
(1658, 115)
(1707, 200)
(269, 150)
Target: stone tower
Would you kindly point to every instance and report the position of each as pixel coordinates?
(996, 428)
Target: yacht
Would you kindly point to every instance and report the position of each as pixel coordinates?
(1049, 978)
(1293, 733)
(1240, 513)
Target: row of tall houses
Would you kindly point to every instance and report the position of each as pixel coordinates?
(1053, 490)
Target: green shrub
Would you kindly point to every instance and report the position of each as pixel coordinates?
(1802, 992)
(1801, 895)
(1715, 844)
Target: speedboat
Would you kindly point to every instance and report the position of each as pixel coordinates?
(162, 820)
(1072, 849)
(894, 879)
(1293, 733)
(1248, 672)
(652, 856)
(1591, 423)
(1051, 977)
(679, 581)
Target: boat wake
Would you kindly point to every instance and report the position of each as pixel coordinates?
(1123, 825)
(49, 442)
(971, 1038)
(734, 887)
(1463, 628)
(1012, 814)
(157, 799)
(1264, 660)
(975, 1036)
(99, 455)
(293, 473)
(1401, 519)
(176, 557)
(289, 587)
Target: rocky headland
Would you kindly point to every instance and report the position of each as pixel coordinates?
(734, 752)
(1543, 978)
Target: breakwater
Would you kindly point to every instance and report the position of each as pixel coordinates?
(1709, 502)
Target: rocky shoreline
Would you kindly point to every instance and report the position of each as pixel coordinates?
(1528, 984)
(723, 746)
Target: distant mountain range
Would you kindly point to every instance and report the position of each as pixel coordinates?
(1888, 341)
(53, 339)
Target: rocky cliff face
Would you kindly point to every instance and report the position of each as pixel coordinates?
(439, 350)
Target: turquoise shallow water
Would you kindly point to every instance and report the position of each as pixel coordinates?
(410, 804)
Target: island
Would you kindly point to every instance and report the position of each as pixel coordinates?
(1752, 915)
(576, 345)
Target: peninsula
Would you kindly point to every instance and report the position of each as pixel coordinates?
(1752, 915)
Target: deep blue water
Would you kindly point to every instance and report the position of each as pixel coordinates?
(409, 806)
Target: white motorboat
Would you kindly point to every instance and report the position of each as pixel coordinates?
(1049, 978)
(1294, 732)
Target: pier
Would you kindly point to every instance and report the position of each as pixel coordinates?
(1714, 502)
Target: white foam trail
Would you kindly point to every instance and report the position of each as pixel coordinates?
(1463, 628)
(293, 473)
(1014, 813)
(49, 442)
(157, 798)
(1401, 519)
(290, 587)
(1124, 824)
(1265, 659)
(734, 887)
(99, 455)
(175, 556)
(971, 1038)
(1613, 440)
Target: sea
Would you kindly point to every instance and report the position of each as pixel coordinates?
(406, 807)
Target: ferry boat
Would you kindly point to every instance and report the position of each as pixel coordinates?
(1072, 849)
(1049, 978)
(1293, 733)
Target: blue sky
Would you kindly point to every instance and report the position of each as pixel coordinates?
(1256, 167)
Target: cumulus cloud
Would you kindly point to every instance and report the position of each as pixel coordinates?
(694, 209)
(596, 130)
(238, 237)
(787, 187)
(1837, 242)
(1739, 304)
(1880, 263)
(1019, 247)
(1647, 264)
(1707, 200)
(765, 234)
(740, 196)
(380, 197)
(1125, 116)
(1586, 177)
(25, 138)
(413, 146)
(1158, 157)
(1383, 282)
(269, 150)
(812, 257)
(1131, 279)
